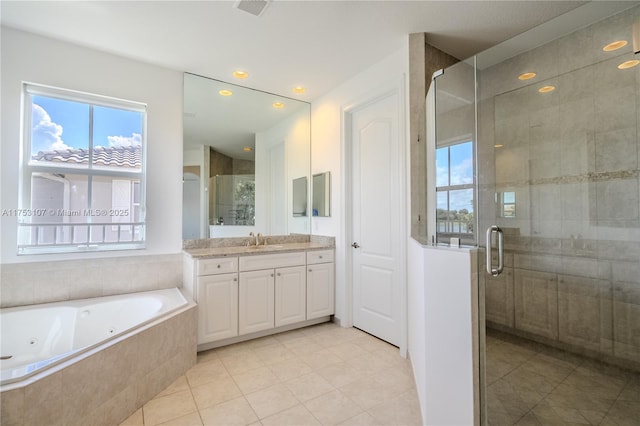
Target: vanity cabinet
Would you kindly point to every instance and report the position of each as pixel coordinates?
(320, 284)
(217, 297)
(251, 295)
(256, 301)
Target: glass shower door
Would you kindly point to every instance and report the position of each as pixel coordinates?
(557, 172)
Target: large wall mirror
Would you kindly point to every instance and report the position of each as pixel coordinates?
(243, 151)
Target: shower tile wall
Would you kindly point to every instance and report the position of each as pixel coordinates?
(571, 156)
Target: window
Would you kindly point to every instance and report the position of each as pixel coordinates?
(454, 192)
(82, 184)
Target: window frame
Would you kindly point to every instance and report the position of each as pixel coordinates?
(29, 168)
(465, 238)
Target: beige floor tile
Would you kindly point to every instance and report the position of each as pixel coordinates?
(295, 416)
(303, 346)
(255, 380)
(234, 412)
(206, 372)
(347, 350)
(230, 350)
(241, 362)
(396, 378)
(308, 386)
(207, 356)
(274, 354)
(178, 385)
(289, 369)
(163, 409)
(631, 392)
(368, 392)
(319, 359)
(289, 336)
(271, 400)
(136, 419)
(212, 393)
(262, 342)
(362, 419)
(402, 410)
(340, 374)
(332, 408)
(368, 364)
(192, 419)
(370, 343)
(546, 413)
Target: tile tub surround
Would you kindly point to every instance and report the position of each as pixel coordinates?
(318, 375)
(106, 385)
(44, 282)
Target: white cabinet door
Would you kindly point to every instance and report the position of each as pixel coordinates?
(291, 295)
(256, 301)
(320, 290)
(217, 307)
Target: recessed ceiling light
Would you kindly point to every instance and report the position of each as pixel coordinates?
(615, 45)
(527, 76)
(240, 74)
(225, 92)
(498, 145)
(628, 64)
(278, 105)
(247, 149)
(546, 89)
(299, 89)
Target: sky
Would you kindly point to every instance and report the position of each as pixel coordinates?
(60, 124)
(461, 163)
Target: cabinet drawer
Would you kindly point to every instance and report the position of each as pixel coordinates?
(319, 256)
(270, 261)
(217, 266)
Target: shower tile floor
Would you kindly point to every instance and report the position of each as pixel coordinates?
(533, 384)
(319, 375)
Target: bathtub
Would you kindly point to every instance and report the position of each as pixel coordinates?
(37, 337)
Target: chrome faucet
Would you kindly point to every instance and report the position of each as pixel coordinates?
(258, 238)
(252, 236)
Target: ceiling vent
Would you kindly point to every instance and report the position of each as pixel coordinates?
(254, 7)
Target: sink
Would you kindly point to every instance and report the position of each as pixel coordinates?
(274, 246)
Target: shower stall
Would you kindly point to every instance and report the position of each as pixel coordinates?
(536, 157)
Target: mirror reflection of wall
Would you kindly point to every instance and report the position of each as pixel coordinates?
(322, 195)
(249, 151)
(300, 197)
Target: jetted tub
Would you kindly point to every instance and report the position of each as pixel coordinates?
(37, 337)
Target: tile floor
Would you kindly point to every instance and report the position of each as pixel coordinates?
(319, 375)
(532, 384)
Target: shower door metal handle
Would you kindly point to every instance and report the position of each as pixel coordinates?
(490, 269)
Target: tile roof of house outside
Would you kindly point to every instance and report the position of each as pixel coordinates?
(121, 156)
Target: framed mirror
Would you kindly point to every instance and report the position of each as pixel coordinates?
(321, 206)
(242, 149)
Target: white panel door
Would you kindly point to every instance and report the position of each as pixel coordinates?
(291, 295)
(256, 301)
(377, 216)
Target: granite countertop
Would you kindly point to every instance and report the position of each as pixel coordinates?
(203, 253)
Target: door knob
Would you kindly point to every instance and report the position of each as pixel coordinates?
(355, 245)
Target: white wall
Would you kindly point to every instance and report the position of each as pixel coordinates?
(442, 332)
(327, 151)
(30, 58)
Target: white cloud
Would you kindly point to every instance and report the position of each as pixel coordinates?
(46, 135)
(133, 140)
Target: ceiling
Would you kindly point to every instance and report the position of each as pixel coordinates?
(317, 44)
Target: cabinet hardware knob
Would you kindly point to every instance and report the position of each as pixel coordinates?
(235, 279)
(278, 273)
(309, 270)
(271, 274)
(219, 266)
(320, 257)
